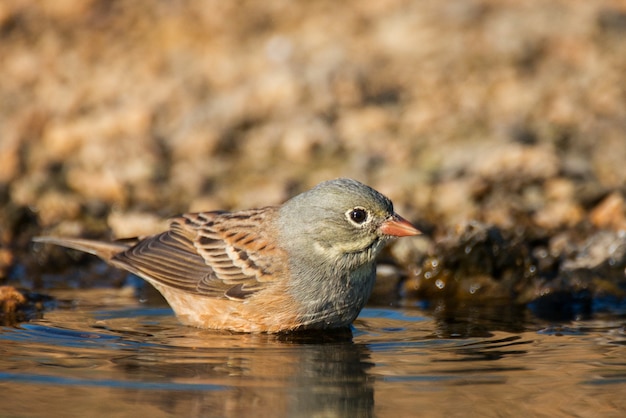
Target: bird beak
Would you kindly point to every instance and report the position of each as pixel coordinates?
(397, 226)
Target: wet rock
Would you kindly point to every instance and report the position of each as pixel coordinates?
(478, 261)
(18, 305)
(601, 257)
(589, 277)
(559, 277)
(10, 299)
(562, 305)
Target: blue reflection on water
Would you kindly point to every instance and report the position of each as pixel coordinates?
(118, 384)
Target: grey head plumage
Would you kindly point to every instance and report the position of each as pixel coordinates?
(336, 222)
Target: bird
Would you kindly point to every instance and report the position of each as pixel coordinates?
(308, 264)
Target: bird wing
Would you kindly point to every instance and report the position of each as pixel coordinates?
(216, 254)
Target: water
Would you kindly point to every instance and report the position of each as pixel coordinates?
(108, 355)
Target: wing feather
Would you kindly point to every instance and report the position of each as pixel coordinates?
(214, 254)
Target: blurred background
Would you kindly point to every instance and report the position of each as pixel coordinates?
(498, 127)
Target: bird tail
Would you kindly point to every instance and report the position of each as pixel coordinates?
(104, 250)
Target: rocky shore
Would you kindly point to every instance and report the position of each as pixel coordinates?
(498, 128)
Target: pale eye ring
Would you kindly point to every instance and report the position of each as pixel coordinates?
(358, 215)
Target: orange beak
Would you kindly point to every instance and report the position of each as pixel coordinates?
(397, 226)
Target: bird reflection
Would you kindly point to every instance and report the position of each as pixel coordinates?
(319, 374)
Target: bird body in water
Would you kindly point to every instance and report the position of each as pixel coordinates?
(307, 264)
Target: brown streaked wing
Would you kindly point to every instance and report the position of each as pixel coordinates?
(216, 254)
(241, 249)
(171, 259)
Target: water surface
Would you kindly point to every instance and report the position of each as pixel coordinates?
(108, 355)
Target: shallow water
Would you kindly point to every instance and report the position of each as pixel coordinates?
(108, 355)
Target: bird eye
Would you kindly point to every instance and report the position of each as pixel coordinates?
(357, 215)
